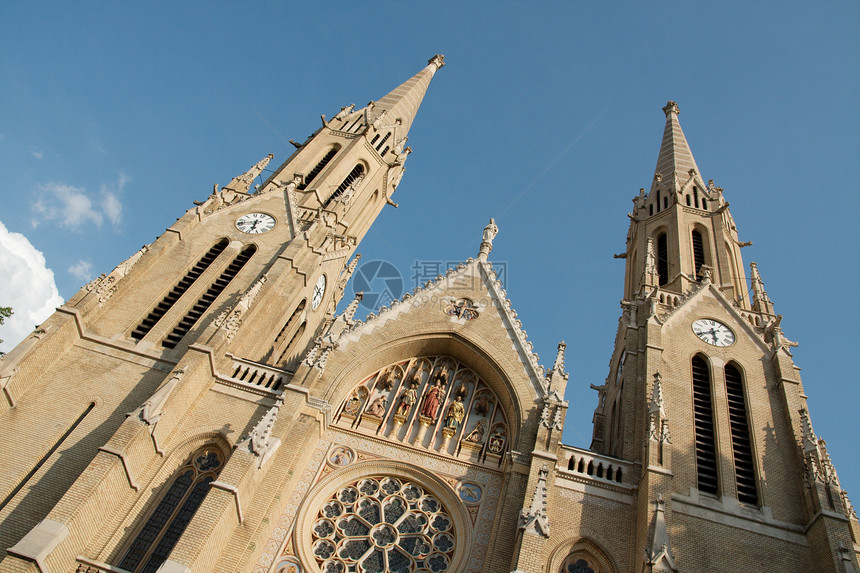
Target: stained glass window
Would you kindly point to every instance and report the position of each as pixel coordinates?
(380, 524)
(165, 525)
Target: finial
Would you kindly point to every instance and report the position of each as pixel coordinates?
(489, 234)
(671, 107)
(438, 60)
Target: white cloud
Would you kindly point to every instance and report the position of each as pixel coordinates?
(73, 207)
(65, 204)
(27, 286)
(38, 154)
(82, 270)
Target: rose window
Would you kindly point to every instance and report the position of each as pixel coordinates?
(381, 524)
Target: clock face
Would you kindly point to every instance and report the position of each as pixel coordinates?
(319, 291)
(255, 223)
(713, 332)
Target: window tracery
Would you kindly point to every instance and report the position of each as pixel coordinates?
(433, 402)
(381, 523)
(174, 511)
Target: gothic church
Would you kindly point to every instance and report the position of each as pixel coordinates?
(203, 408)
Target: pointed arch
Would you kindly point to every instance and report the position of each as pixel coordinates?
(179, 289)
(703, 420)
(570, 554)
(745, 474)
(180, 498)
(321, 164)
(662, 244)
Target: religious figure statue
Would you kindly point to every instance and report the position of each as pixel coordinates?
(490, 232)
(456, 413)
(476, 436)
(408, 399)
(377, 407)
(483, 404)
(432, 401)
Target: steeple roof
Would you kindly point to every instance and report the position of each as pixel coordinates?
(675, 155)
(403, 102)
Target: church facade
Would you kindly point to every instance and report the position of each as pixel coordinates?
(204, 408)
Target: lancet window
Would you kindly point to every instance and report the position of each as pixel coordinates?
(205, 301)
(741, 447)
(698, 251)
(174, 511)
(177, 291)
(353, 178)
(431, 402)
(663, 258)
(319, 166)
(703, 416)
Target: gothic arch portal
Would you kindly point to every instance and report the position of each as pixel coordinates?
(569, 554)
(512, 389)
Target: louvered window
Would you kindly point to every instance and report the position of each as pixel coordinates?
(698, 251)
(357, 171)
(165, 525)
(384, 139)
(663, 258)
(289, 352)
(287, 332)
(703, 416)
(177, 291)
(319, 167)
(744, 466)
(191, 317)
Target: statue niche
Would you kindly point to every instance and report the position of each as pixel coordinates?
(432, 403)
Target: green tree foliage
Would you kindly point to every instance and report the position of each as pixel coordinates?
(5, 312)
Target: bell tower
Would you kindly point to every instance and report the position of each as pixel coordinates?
(231, 295)
(703, 392)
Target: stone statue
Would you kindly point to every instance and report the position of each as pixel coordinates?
(408, 399)
(431, 402)
(456, 413)
(476, 436)
(490, 232)
(483, 404)
(344, 111)
(377, 407)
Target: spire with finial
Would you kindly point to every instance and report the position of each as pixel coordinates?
(658, 556)
(260, 442)
(557, 378)
(675, 155)
(535, 520)
(241, 183)
(761, 302)
(397, 108)
(490, 232)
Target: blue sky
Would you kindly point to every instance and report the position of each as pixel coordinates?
(115, 117)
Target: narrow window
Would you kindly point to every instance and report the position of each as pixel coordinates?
(703, 416)
(665, 202)
(688, 200)
(287, 331)
(663, 258)
(357, 171)
(384, 139)
(696, 196)
(384, 151)
(290, 350)
(375, 138)
(164, 527)
(744, 466)
(658, 200)
(358, 119)
(319, 167)
(191, 317)
(47, 455)
(177, 291)
(704, 203)
(650, 209)
(698, 252)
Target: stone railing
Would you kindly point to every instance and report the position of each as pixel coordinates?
(254, 377)
(585, 465)
(90, 566)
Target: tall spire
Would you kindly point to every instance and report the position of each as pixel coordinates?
(403, 102)
(675, 155)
